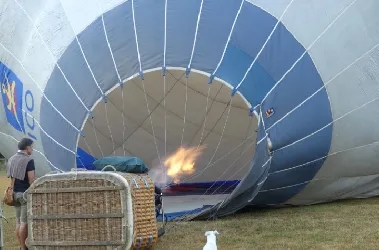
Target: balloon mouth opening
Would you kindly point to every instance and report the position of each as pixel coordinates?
(196, 138)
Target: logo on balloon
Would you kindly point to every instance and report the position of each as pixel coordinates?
(11, 90)
(12, 93)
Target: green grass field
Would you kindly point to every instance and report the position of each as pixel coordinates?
(340, 225)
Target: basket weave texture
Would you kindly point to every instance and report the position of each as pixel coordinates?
(92, 210)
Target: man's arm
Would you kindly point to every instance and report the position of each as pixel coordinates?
(30, 169)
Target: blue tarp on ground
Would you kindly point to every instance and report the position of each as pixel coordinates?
(172, 216)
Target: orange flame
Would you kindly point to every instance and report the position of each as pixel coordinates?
(182, 162)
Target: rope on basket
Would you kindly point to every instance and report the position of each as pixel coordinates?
(109, 166)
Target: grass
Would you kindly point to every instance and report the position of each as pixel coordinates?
(341, 225)
(8, 228)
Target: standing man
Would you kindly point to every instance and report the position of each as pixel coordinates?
(21, 170)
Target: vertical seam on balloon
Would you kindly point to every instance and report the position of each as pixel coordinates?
(152, 126)
(330, 123)
(81, 50)
(231, 150)
(80, 161)
(269, 159)
(92, 74)
(235, 173)
(264, 137)
(122, 91)
(185, 111)
(51, 54)
(136, 38)
(88, 66)
(164, 88)
(165, 34)
(97, 140)
(244, 178)
(189, 66)
(231, 99)
(88, 147)
(239, 184)
(219, 142)
(219, 118)
(230, 35)
(207, 111)
(260, 184)
(205, 117)
(263, 122)
(264, 45)
(123, 120)
(125, 80)
(264, 126)
(250, 130)
(165, 115)
(143, 85)
(239, 145)
(108, 43)
(147, 117)
(197, 28)
(44, 156)
(95, 129)
(241, 168)
(306, 50)
(109, 128)
(247, 137)
(324, 85)
(218, 178)
(43, 93)
(219, 159)
(226, 170)
(120, 81)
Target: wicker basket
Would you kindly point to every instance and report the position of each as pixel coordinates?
(91, 210)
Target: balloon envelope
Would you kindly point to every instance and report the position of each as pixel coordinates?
(283, 95)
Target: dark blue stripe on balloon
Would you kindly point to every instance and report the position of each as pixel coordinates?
(208, 51)
(234, 65)
(281, 52)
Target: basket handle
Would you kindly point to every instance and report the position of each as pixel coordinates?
(109, 166)
(55, 172)
(78, 169)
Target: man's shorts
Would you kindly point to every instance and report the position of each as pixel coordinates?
(21, 208)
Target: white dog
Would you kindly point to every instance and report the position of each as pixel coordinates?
(211, 240)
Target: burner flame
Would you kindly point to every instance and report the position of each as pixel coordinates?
(182, 162)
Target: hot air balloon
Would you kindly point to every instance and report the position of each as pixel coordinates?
(268, 103)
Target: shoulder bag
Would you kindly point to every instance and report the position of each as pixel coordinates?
(8, 196)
